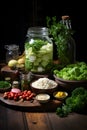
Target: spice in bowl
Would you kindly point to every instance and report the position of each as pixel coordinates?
(43, 98)
(60, 95)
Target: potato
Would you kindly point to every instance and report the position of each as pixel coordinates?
(12, 63)
(21, 60)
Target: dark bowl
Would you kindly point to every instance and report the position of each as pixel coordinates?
(47, 91)
(70, 84)
(37, 76)
(8, 88)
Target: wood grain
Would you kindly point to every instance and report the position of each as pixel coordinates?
(31, 106)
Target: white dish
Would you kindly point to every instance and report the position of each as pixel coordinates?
(43, 98)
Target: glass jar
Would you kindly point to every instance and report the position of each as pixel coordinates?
(25, 81)
(15, 84)
(38, 50)
(12, 52)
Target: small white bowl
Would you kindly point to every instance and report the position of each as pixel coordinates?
(43, 98)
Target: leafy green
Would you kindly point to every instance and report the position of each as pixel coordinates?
(62, 38)
(39, 55)
(77, 71)
(4, 84)
(77, 102)
(36, 44)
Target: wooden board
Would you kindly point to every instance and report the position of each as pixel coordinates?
(31, 105)
(26, 105)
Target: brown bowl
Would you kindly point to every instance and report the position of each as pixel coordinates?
(8, 88)
(41, 90)
(70, 84)
(37, 76)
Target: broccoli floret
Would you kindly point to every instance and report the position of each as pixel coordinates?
(63, 111)
(81, 103)
(78, 99)
(60, 112)
(70, 103)
(77, 102)
(78, 91)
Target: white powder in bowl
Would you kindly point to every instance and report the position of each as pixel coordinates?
(44, 83)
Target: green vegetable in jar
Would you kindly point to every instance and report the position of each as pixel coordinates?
(38, 50)
(38, 55)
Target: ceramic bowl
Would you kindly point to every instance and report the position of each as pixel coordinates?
(43, 98)
(70, 84)
(5, 89)
(60, 95)
(38, 90)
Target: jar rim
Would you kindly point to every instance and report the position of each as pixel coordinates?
(37, 30)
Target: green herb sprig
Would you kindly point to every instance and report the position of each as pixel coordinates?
(60, 35)
(4, 84)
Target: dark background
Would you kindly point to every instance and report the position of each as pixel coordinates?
(17, 16)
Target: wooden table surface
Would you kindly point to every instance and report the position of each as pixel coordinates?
(11, 119)
(17, 119)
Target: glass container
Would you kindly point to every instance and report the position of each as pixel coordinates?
(15, 84)
(38, 50)
(12, 52)
(66, 47)
(25, 81)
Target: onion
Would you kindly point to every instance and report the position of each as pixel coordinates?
(15, 90)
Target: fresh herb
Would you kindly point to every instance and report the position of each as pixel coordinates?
(36, 44)
(77, 102)
(4, 84)
(61, 35)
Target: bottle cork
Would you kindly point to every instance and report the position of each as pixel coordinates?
(65, 17)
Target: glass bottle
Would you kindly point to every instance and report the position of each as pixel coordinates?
(38, 50)
(15, 84)
(25, 81)
(12, 52)
(66, 45)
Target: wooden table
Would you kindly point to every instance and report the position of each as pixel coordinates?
(11, 119)
(20, 119)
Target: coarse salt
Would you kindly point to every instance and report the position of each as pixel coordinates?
(44, 83)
